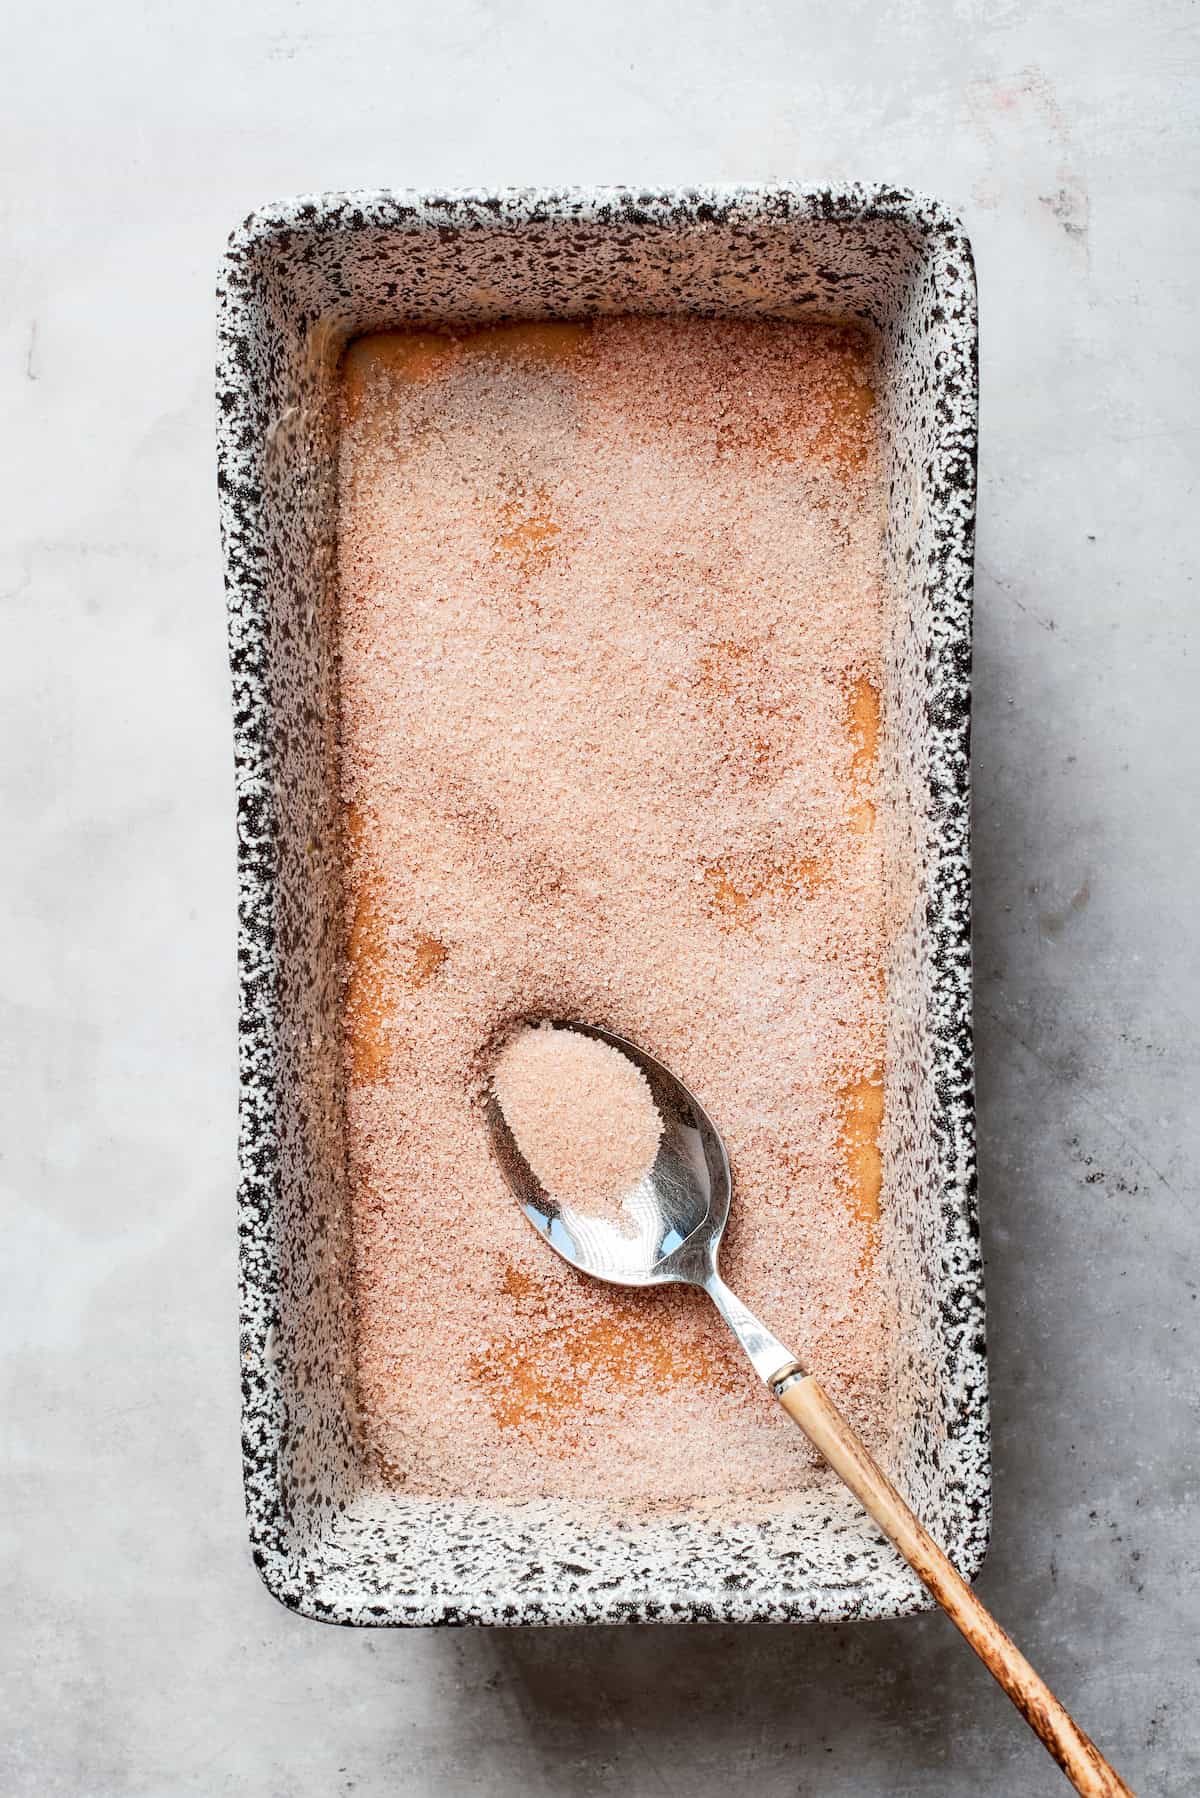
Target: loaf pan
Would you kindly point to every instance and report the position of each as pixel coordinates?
(299, 280)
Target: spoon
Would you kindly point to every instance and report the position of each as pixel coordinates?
(672, 1224)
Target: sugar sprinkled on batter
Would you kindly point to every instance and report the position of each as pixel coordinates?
(610, 655)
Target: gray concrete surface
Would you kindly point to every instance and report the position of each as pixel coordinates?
(140, 1654)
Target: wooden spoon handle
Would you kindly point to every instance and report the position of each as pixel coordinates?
(807, 1404)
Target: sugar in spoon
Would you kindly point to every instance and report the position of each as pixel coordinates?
(673, 1221)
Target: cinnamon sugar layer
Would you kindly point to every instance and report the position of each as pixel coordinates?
(610, 640)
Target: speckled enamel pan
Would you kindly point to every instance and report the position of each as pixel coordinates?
(299, 279)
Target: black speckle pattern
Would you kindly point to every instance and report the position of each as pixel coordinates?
(298, 280)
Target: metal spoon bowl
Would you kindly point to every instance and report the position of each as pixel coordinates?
(673, 1219)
